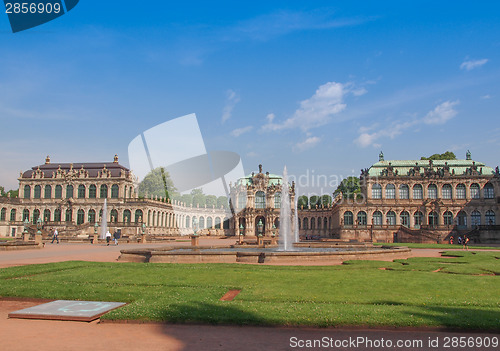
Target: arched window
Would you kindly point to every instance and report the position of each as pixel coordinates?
(114, 191)
(242, 200)
(209, 222)
(46, 215)
(489, 191)
(376, 191)
(36, 215)
(377, 218)
(460, 191)
(404, 191)
(69, 191)
(138, 216)
(26, 214)
(188, 222)
(475, 218)
(81, 191)
(432, 191)
(217, 222)
(3, 214)
(127, 216)
(418, 192)
(313, 223)
(447, 191)
(80, 217)
(13, 215)
(405, 219)
(390, 191)
(418, 218)
(92, 216)
(92, 191)
(391, 218)
(277, 200)
(58, 192)
(104, 191)
(201, 223)
(27, 191)
(362, 218)
(38, 192)
(448, 218)
(114, 216)
(433, 219)
(319, 223)
(474, 191)
(57, 215)
(69, 215)
(260, 199)
(48, 192)
(462, 219)
(490, 217)
(305, 223)
(325, 223)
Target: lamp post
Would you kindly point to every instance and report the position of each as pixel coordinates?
(260, 241)
(95, 240)
(38, 235)
(242, 229)
(194, 238)
(26, 234)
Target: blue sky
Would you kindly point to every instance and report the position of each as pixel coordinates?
(320, 86)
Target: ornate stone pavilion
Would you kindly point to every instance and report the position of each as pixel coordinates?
(70, 197)
(422, 201)
(256, 200)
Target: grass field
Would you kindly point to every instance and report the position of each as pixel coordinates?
(438, 246)
(459, 291)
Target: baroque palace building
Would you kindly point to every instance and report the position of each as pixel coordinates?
(70, 197)
(400, 201)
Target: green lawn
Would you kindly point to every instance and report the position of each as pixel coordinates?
(457, 292)
(438, 246)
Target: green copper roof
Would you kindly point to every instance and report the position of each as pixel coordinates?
(457, 167)
(273, 179)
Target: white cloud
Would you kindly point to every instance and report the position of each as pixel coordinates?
(442, 113)
(439, 115)
(308, 143)
(239, 131)
(252, 154)
(471, 64)
(232, 98)
(315, 111)
(486, 97)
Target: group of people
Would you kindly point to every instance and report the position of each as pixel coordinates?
(461, 241)
(116, 236)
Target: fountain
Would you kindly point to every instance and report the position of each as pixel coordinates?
(286, 237)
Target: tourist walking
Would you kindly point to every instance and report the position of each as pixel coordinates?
(55, 237)
(108, 237)
(466, 243)
(116, 236)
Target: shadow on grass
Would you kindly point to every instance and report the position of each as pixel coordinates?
(454, 318)
(209, 313)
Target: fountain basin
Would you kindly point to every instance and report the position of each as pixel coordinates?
(317, 255)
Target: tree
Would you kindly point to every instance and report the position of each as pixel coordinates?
(314, 200)
(448, 155)
(211, 201)
(222, 202)
(187, 199)
(303, 201)
(198, 197)
(157, 183)
(326, 200)
(349, 187)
